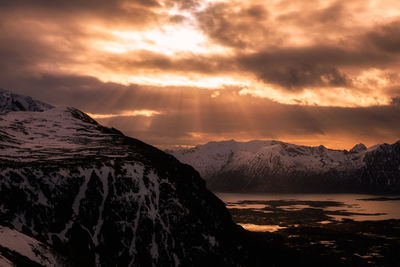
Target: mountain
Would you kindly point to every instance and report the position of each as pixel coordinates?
(274, 166)
(95, 197)
(14, 102)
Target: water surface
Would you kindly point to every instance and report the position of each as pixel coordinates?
(286, 209)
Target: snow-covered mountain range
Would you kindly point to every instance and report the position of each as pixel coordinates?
(95, 197)
(274, 166)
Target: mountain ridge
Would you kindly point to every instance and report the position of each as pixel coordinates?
(275, 166)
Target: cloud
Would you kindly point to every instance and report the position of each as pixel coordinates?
(295, 45)
(191, 115)
(296, 76)
(260, 41)
(386, 37)
(395, 101)
(184, 4)
(234, 25)
(28, 47)
(268, 121)
(314, 16)
(148, 60)
(197, 64)
(126, 113)
(96, 8)
(97, 97)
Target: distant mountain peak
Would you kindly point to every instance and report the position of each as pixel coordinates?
(358, 148)
(14, 102)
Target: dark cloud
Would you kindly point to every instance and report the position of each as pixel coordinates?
(184, 4)
(24, 46)
(138, 13)
(233, 25)
(177, 19)
(204, 64)
(66, 6)
(331, 16)
(297, 76)
(313, 66)
(296, 68)
(333, 55)
(386, 37)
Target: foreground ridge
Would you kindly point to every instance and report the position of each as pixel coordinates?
(98, 197)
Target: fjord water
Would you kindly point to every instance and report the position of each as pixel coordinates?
(323, 229)
(357, 207)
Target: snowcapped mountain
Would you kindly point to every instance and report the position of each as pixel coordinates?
(13, 102)
(273, 166)
(99, 198)
(228, 155)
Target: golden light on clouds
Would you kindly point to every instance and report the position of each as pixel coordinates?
(331, 97)
(169, 40)
(161, 79)
(197, 70)
(127, 113)
(186, 39)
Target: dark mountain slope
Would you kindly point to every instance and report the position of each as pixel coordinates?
(100, 198)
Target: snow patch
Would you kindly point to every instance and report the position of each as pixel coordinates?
(26, 246)
(5, 262)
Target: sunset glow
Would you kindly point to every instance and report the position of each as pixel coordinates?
(131, 113)
(289, 70)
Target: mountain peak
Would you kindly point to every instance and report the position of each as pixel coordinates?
(15, 102)
(358, 148)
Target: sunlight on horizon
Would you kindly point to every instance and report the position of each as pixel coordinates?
(128, 113)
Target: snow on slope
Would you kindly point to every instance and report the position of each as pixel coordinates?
(52, 134)
(25, 246)
(13, 102)
(213, 157)
(4, 262)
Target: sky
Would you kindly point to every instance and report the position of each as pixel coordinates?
(185, 72)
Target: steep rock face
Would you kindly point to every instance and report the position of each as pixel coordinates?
(274, 166)
(100, 198)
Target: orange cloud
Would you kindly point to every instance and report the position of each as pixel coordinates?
(212, 69)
